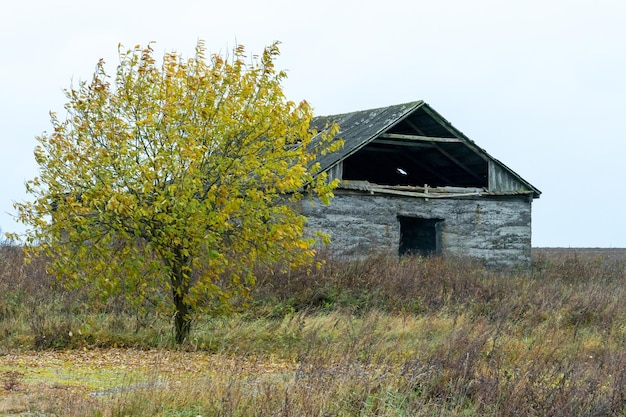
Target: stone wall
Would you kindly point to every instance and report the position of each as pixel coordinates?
(496, 230)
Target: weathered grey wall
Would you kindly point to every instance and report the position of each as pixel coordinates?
(496, 230)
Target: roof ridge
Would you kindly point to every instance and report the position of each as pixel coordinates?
(407, 104)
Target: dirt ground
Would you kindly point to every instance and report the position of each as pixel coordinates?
(32, 382)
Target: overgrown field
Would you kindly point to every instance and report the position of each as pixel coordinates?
(378, 337)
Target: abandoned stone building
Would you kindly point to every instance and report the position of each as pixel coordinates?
(413, 183)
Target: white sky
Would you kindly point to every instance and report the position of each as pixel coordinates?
(539, 84)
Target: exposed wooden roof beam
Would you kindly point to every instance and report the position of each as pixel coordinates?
(417, 129)
(395, 142)
(449, 128)
(447, 154)
(419, 138)
(442, 122)
(458, 163)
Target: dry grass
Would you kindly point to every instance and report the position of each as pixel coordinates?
(378, 337)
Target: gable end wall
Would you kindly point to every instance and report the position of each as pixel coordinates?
(494, 230)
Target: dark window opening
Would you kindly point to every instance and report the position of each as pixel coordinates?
(419, 236)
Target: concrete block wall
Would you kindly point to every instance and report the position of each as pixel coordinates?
(496, 230)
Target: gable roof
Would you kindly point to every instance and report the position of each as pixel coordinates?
(416, 124)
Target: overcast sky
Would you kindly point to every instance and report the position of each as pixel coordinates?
(539, 84)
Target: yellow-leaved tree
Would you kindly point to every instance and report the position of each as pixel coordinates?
(176, 178)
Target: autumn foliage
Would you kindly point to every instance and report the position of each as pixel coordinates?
(176, 178)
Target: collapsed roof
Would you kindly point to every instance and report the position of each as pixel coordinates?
(410, 145)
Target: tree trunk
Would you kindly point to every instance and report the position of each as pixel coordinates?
(182, 320)
(180, 289)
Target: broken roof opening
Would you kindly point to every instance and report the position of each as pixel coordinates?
(435, 156)
(437, 166)
(412, 145)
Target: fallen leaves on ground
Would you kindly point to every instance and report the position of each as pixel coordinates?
(32, 376)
